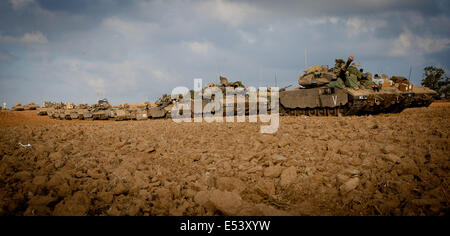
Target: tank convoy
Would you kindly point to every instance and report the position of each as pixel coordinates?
(28, 107)
(166, 102)
(100, 111)
(347, 90)
(344, 89)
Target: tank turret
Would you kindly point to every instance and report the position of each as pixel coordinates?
(316, 76)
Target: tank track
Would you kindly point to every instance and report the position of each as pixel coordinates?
(362, 107)
(319, 111)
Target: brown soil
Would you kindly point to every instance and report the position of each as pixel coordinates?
(395, 164)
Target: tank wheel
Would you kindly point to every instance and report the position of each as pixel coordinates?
(333, 111)
(322, 112)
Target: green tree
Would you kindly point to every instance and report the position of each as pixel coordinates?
(445, 88)
(433, 78)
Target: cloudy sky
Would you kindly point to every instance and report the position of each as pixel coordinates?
(136, 50)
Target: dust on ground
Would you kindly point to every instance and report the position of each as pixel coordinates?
(395, 164)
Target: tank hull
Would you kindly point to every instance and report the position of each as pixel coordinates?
(322, 101)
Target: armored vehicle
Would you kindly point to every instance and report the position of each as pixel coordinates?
(100, 115)
(101, 110)
(162, 108)
(31, 106)
(347, 90)
(122, 114)
(42, 111)
(18, 107)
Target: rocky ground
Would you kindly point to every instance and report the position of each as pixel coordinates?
(396, 164)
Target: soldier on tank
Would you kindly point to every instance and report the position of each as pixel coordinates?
(363, 75)
(366, 81)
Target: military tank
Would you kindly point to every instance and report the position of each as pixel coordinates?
(164, 105)
(347, 90)
(31, 106)
(101, 110)
(18, 107)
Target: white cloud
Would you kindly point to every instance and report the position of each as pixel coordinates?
(232, 13)
(430, 45)
(112, 77)
(96, 82)
(409, 44)
(402, 44)
(35, 37)
(133, 30)
(161, 75)
(203, 49)
(334, 20)
(321, 20)
(250, 39)
(18, 4)
(360, 25)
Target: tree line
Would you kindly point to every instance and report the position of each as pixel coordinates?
(436, 79)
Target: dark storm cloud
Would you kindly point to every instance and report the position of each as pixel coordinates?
(69, 6)
(351, 7)
(85, 6)
(136, 50)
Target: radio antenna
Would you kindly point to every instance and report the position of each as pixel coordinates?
(276, 82)
(410, 70)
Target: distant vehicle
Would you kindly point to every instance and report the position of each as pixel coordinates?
(103, 101)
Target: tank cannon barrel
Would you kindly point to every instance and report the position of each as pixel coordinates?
(349, 61)
(344, 68)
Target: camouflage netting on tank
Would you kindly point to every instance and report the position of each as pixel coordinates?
(354, 71)
(165, 101)
(399, 79)
(352, 81)
(316, 68)
(369, 84)
(350, 76)
(55, 105)
(224, 83)
(337, 84)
